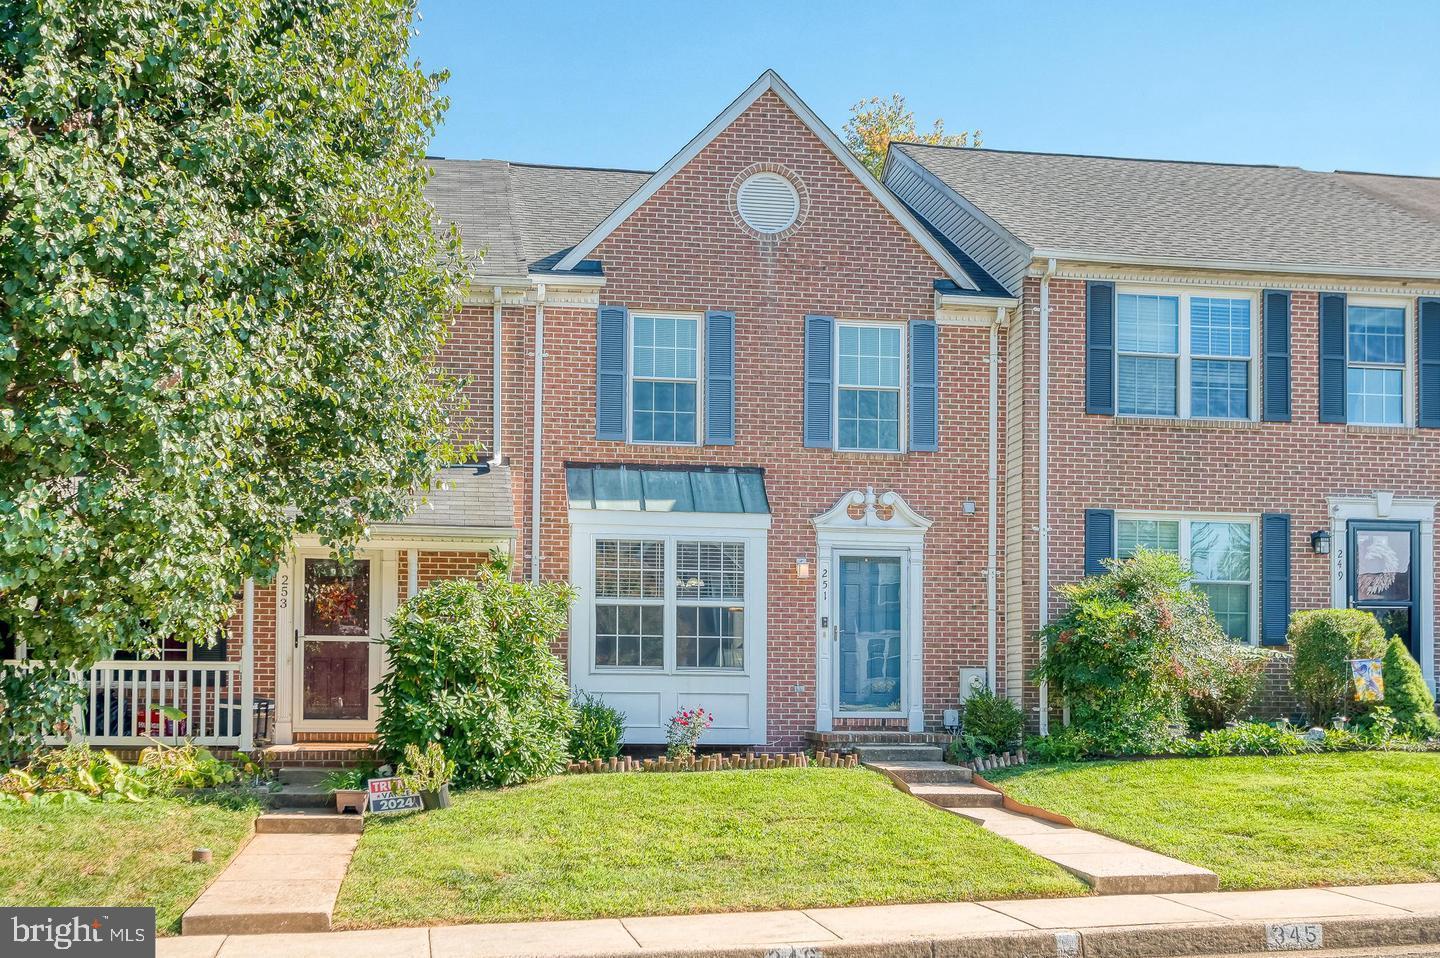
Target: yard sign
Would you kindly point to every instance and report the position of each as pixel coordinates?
(386, 797)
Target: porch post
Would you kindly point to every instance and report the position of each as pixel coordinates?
(247, 668)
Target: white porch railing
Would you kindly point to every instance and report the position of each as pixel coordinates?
(125, 702)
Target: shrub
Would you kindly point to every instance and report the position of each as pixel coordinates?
(1065, 744)
(31, 695)
(967, 747)
(1220, 680)
(425, 771)
(1323, 642)
(994, 718)
(598, 730)
(1249, 738)
(186, 766)
(1407, 695)
(471, 668)
(1118, 654)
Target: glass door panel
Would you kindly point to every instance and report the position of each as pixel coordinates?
(870, 636)
(335, 646)
(1383, 566)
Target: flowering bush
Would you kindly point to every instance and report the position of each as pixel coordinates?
(684, 731)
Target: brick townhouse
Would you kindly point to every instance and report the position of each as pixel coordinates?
(815, 450)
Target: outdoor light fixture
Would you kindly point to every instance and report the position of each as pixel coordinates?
(802, 567)
(1320, 542)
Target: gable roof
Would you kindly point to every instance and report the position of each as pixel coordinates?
(770, 81)
(1209, 214)
(524, 216)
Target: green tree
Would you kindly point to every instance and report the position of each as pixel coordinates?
(876, 122)
(220, 284)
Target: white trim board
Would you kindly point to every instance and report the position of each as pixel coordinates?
(770, 81)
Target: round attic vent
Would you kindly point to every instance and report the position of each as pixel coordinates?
(768, 203)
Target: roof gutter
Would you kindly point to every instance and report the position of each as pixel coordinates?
(1247, 266)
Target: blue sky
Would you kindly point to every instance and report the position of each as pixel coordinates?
(1319, 84)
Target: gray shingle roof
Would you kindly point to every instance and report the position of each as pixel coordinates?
(523, 216)
(460, 497)
(1277, 215)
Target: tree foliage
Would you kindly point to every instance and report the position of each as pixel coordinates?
(220, 284)
(875, 122)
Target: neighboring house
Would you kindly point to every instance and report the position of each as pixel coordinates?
(815, 450)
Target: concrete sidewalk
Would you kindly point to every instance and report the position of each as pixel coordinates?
(1372, 918)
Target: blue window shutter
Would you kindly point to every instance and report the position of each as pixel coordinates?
(924, 396)
(1274, 577)
(1100, 348)
(1332, 357)
(719, 378)
(1099, 539)
(610, 331)
(1276, 337)
(1429, 417)
(819, 382)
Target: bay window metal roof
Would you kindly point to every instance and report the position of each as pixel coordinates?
(712, 489)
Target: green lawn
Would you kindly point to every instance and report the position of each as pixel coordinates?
(588, 846)
(1341, 819)
(116, 854)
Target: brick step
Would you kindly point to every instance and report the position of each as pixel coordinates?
(957, 796)
(925, 773)
(845, 739)
(872, 754)
(308, 821)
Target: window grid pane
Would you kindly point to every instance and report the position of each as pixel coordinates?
(630, 636)
(710, 571)
(1377, 335)
(1230, 604)
(1162, 535)
(870, 356)
(870, 419)
(1220, 388)
(1147, 386)
(1148, 324)
(626, 569)
(1375, 396)
(1219, 327)
(709, 637)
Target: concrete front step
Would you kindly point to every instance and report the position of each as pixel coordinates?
(301, 796)
(302, 776)
(925, 773)
(957, 796)
(872, 754)
(308, 821)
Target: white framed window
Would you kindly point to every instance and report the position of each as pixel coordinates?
(665, 379)
(670, 604)
(1186, 354)
(869, 394)
(1377, 374)
(1222, 552)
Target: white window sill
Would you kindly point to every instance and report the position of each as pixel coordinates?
(1381, 429)
(1192, 423)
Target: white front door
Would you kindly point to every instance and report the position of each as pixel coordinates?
(337, 622)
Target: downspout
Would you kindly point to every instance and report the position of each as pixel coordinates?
(1044, 483)
(495, 379)
(535, 432)
(991, 610)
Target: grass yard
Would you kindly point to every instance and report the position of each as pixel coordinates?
(589, 846)
(1341, 819)
(116, 854)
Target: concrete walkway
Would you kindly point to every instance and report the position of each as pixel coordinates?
(1107, 865)
(1374, 918)
(285, 879)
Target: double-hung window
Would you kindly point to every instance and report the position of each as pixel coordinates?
(869, 387)
(664, 379)
(1220, 552)
(1375, 374)
(674, 601)
(1187, 355)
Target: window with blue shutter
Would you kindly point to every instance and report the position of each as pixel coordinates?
(1099, 539)
(719, 378)
(924, 396)
(1100, 348)
(1274, 577)
(819, 361)
(1276, 391)
(611, 325)
(1332, 357)
(1429, 409)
